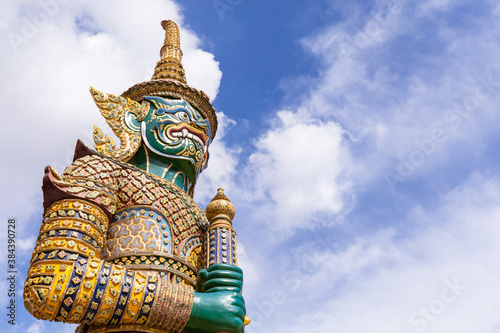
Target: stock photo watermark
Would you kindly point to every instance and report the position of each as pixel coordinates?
(291, 282)
(424, 316)
(11, 271)
(224, 6)
(452, 119)
(371, 31)
(32, 25)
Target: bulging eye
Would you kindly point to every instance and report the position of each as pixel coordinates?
(182, 115)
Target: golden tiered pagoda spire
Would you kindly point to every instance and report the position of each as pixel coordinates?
(170, 64)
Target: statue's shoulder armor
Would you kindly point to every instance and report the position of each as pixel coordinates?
(128, 194)
(81, 180)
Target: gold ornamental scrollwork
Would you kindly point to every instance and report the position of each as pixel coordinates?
(121, 114)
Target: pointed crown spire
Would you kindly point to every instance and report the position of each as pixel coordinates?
(170, 64)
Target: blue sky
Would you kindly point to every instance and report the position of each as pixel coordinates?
(358, 141)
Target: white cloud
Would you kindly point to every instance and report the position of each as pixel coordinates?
(26, 244)
(388, 279)
(300, 164)
(429, 6)
(401, 83)
(46, 326)
(36, 327)
(202, 71)
(390, 90)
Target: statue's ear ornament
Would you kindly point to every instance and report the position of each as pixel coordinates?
(123, 115)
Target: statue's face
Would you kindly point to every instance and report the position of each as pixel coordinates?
(177, 133)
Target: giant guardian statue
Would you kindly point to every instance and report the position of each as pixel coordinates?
(122, 246)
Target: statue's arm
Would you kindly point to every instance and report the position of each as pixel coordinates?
(67, 279)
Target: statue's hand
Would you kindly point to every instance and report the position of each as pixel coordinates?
(220, 277)
(222, 311)
(218, 305)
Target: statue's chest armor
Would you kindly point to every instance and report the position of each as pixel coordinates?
(143, 228)
(161, 232)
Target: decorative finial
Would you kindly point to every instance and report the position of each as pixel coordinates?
(220, 208)
(170, 64)
(221, 238)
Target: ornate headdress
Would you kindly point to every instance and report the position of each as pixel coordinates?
(169, 79)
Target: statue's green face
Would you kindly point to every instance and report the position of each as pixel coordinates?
(177, 133)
